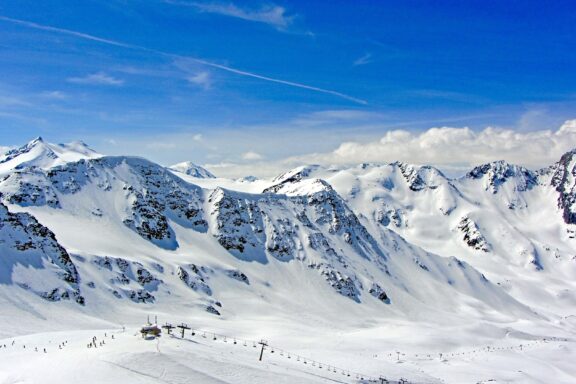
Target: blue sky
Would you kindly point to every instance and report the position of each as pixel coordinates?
(238, 82)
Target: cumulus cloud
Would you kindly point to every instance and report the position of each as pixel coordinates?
(448, 146)
(98, 78)
(251, 155)
(453, 150)
(270, 14)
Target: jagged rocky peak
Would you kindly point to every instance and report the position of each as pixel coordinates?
(33, 259)
(420, 177)
(191, 169)
(564, 180)
(499, 172)
(38, 153)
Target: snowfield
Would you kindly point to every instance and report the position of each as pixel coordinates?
(373, 272)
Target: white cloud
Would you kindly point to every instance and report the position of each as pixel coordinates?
(270, 14)
(363, 60)
(448, 146)
(202, 79)
(251, 155)
(98, 78)
(197, 137)
(453, 150)
(235, 170)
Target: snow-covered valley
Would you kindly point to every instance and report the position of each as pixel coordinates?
(382, 270)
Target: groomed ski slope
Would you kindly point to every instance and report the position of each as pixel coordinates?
(206, 357)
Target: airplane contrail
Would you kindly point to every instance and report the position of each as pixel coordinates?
(120, 44)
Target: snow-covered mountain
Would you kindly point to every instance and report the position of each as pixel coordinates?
(40, 154)
(512, 224)
(305, 228)
(110, 237)
(191, 169)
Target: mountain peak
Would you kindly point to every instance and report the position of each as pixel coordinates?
(296, 174)
(35, 141)
(38, 153)
(498, 172)
(191, 169)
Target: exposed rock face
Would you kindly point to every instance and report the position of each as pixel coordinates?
(499, 172)
(129, 278)
(412, 176)
(26, 242)
(239, 223)
(343, 284)
(212, 310)
(195, 278)
(237, 275)
(564, 180)
(472, 235)
(29, 189)
(378, 292)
